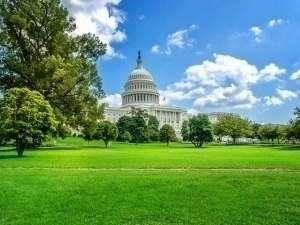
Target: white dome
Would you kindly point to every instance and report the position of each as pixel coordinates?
(140, 74)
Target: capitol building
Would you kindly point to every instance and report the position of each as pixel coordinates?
(140, 91)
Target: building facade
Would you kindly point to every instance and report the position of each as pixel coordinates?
(140, 91)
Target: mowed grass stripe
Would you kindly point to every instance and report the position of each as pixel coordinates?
(151, 169)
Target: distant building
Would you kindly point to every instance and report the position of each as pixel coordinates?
(140, 92)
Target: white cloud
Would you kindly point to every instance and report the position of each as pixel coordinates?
(256, 30)
(113, 100)
(227, 97)
(286, 94)
(182, 85)
(257, 39)
(193, 111)
(142, 17)
(270, 72)
(273, 101)
(226, 67)
(273, 23)
(100, 17)
(295, 75)
(156, 49)
(223, 83)
(178, 39)
(257, 33)
(199, 53)
(215, 73)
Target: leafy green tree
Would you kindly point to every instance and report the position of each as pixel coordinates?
(255, 127)
(88, 131)
(167, 133)
(125, 123)
(286, 132)
(235, 126)
(126, 136)
(40, 51)
(269, 132)
(26, 117)
(200, 130)
(185, 130)
(219, 130)
(153, 122)
(152, 133)
(139, 131)
(107, 131)
(152, 130)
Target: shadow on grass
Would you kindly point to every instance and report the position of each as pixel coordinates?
(14, 157)
(289, 148)
(55, 148)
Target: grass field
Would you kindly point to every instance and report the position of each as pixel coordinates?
(152, 184)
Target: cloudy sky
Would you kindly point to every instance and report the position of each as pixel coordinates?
(206, 56)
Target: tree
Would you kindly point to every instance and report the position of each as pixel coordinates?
(255, 127)
(107, 131)
(26, 117)
(126, 136)
(185, 130)
(152, 133)
(139, 128)
(88, 131)
(40, 51)
(153, 122)
(286, 132)
(125, 123)
(235, 126)
(167, 133)
(219, 130)
(200, 130)
(269, 132)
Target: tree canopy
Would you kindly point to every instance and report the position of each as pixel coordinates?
(107, 131)
(234, 126)
(139, 131)
(185, 130)
(167, 134)
(124, 124)
(40, 51)
(200, 130)
(26, 117)
(269, 132)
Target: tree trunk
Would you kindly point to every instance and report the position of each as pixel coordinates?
(167, 143)
(272, 142)
(20, 147)
(234, 140)
(105, 142)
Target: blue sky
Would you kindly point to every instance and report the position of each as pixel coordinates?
(206, 56)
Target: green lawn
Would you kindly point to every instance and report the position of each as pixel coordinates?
(150, 184)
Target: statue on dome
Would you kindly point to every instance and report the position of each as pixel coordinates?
(139, 54)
